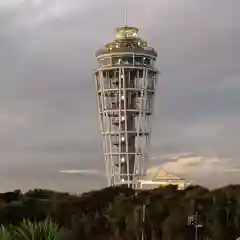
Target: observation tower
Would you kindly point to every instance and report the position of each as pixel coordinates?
(125, 85)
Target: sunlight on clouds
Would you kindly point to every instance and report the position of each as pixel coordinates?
(209, 171)
(197, 165)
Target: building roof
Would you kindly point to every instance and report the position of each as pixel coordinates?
(127, 39)
(160, 174)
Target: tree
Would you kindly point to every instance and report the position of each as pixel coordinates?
(4, 234)
(46, 230)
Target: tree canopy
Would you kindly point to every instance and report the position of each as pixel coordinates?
(119, 213)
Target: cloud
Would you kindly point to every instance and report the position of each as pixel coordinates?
(87, 172)
(6, 4)
(7, 119)
(209, 171)
(35, 13)
(195, 164)
(48, 110)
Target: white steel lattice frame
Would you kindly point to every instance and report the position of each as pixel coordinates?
(124, 112)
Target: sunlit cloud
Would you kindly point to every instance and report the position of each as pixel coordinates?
(200, 169)
(85, 172)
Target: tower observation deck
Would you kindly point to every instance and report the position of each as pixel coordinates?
(125, 84)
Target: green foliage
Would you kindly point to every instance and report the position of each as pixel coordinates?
(27, 230)
(120, 213)
(46, 230)
(4, 233)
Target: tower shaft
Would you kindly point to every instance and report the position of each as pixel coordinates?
(125, 84)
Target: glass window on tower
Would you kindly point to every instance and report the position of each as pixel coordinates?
(104, 62)
(138, 60)
(128, 60)
(107, 61)
(143, 60)
(147, 61)
(116, 60)
(122, 60)
(100, 63)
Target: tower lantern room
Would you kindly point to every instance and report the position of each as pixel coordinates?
(125, 84)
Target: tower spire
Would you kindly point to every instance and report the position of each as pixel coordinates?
(126, 13)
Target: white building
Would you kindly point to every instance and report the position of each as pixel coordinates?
(161, 177)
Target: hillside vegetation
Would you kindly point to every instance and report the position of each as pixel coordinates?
(121, 213)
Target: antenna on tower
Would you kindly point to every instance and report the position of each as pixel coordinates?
(126, 13)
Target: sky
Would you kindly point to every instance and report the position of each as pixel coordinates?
(48, 110)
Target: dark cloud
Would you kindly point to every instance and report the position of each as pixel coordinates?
(48, 112)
